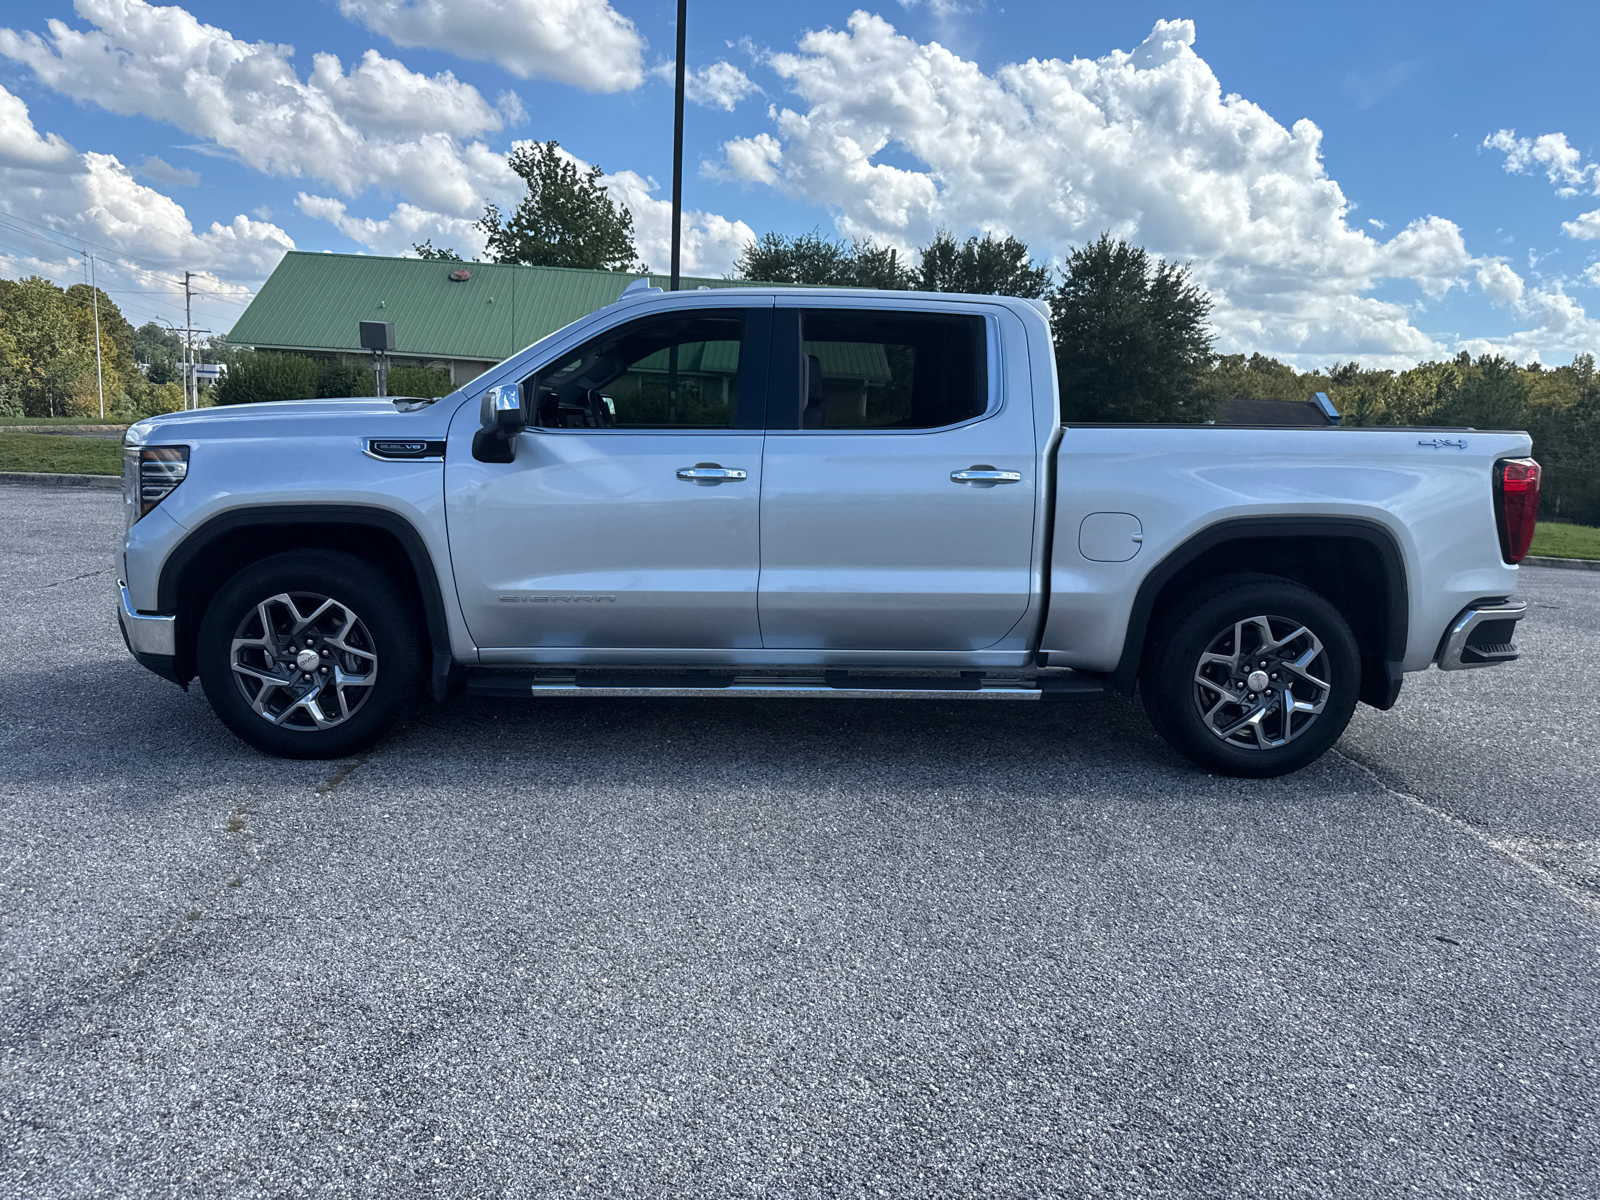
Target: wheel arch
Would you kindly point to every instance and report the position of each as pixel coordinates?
(1354, 562)
(228, 542)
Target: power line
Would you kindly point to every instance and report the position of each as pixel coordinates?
(83, 241)
(79, 245)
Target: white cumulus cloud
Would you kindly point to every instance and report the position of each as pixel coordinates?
(721, 85)
(380, 125)
(1563, 164)
(1144, 144)
(585, 43)
(59, 199)
(710, 244)
(160, 170)
(396, 234)
(1586, 228)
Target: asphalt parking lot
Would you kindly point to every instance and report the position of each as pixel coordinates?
(704, 947)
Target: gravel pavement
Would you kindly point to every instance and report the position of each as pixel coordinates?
(710, 948)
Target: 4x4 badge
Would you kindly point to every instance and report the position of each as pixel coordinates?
(1444, 443)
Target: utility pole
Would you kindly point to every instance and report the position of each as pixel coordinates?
(94, 297)
(677, 147)
(188, 348)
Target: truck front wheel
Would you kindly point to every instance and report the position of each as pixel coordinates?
(1255, 676)
(310, 654)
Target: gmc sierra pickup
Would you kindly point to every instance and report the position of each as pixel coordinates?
(768, 492)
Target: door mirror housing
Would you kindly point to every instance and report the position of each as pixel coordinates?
(501, 410)
(502, 416)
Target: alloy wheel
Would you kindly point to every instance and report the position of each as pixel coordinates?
(1262, 682)
(304, 661)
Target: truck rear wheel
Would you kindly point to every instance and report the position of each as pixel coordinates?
(1256, 676)
(310, 654)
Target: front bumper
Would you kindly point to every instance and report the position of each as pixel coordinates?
(152, 640)
(146, 634)
(1481, 635)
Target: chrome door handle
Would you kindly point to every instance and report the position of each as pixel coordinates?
(711, 473)
(983, 475)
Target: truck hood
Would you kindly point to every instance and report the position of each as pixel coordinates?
(294, 418)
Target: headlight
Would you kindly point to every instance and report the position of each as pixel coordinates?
(161, 468)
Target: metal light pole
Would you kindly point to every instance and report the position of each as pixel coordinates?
(677, 149)
(94, 295)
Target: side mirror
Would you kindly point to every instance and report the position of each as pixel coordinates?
(502, 417)
(501, 410)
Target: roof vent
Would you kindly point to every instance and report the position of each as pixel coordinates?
(460, 275)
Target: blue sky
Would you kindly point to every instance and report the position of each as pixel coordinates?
(1337, 175)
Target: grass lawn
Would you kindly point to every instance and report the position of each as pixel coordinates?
(60, 454)
(1566, 541)
(19, 421)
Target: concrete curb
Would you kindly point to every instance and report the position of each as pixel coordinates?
(41, 479)
(1571, 564)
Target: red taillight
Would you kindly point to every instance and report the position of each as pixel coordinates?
(1516, 502)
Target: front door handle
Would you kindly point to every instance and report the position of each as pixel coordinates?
(710, 474)
(983, 475)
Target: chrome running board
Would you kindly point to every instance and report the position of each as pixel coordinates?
(831, 685)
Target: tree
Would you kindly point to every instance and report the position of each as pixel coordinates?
(113, 325)
(1131, 337)
(1492, 395)
(158, 352)
(810, 258)
(440, 253)
(565, 220)
(50, 348)
(985, 268)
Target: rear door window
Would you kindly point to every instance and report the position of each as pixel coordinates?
(864, 370)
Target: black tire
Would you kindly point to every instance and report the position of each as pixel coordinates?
(1207, 710)
(330, 712)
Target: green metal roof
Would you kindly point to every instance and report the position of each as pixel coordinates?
(314, 302)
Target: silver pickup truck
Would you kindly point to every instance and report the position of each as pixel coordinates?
(813, 493)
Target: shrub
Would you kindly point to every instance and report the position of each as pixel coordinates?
(419, 381)
(259, 377)
(346, 377)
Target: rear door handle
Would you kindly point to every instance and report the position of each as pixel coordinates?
(708, 474)
(983, 475)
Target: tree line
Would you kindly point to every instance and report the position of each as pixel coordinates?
(47, 355)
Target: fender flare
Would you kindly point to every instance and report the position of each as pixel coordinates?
(207, 535)
(1397, 602)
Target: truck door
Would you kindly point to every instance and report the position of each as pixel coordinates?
(629, 516)
(898, 494)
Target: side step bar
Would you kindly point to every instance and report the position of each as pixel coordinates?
(828, 685)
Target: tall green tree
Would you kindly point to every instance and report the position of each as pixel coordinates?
(566, 219)
(440, 253)
(987, 268)
(1492, 395)
(810, 258)
(158, 351)
(1131, 337)
(51, 350)
(113, 325)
